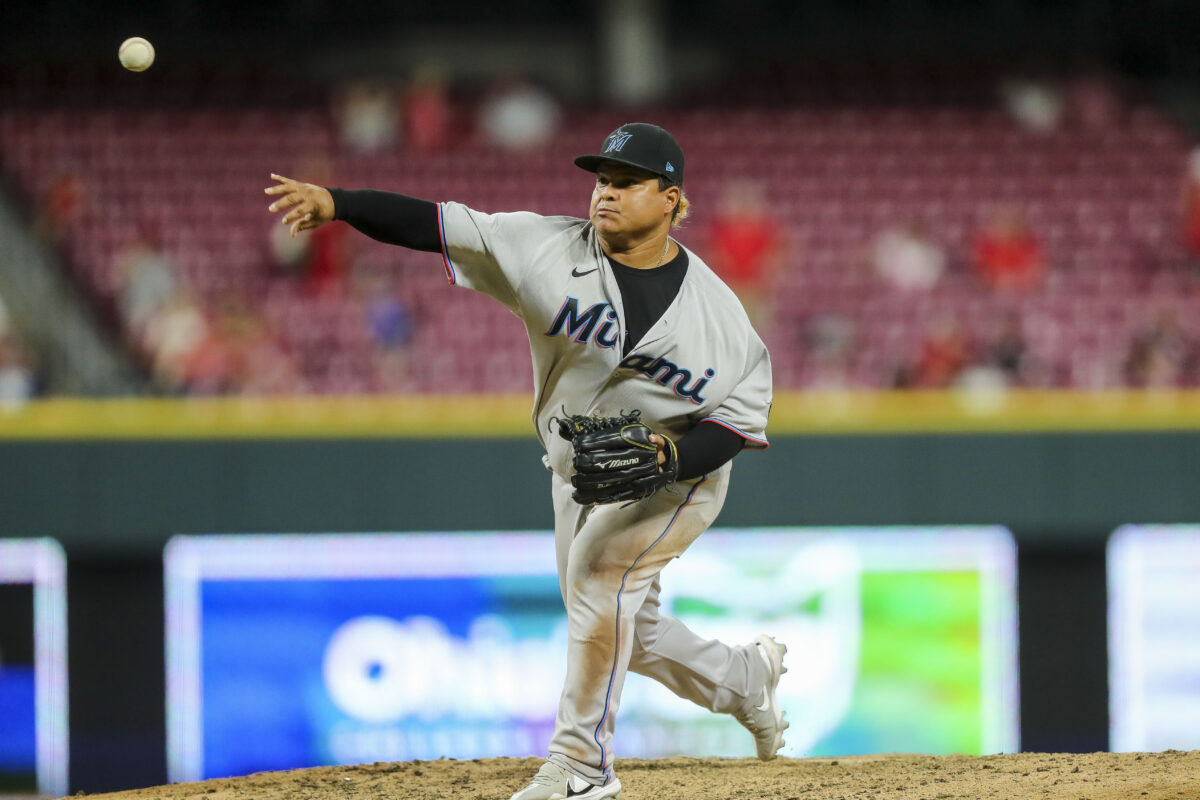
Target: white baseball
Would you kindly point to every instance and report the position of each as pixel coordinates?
(136, 54)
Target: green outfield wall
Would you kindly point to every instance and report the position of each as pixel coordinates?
(120, 477)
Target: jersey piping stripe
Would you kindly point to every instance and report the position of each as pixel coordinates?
(746, 436)
(617, 654)
(450, 277)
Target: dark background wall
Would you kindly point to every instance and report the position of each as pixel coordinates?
(1151, 33)
(113, 504)
(1149, 40)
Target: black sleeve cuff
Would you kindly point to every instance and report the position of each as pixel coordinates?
(705, 448)
(389, 217)
(339, 202)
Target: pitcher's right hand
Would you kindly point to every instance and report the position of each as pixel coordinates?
(307, 205)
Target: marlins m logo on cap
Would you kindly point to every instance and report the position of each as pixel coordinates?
(617, 141)
(639, 144)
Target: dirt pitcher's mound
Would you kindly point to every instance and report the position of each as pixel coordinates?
(1036, 776)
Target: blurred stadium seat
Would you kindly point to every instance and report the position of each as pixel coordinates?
(1104, 202)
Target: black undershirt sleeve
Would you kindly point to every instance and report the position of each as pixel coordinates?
(706, 447)
(389, 217)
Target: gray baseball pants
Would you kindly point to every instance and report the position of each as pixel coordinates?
(609, 560)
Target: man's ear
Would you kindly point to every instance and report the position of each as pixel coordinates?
(671, 195)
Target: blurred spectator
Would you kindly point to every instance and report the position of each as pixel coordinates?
(389, 320)
(210, 367)
(1008, 351)
(1160, 355)
(318, 257)
(246, 358)
(145, 282)
(1037, 106)
(1093, 103)
(367, 117)
(426, 111)
(18, 376)
(941, 358)
(518, 115)
(908, 257)
(233, 353)
(998, 362)
(327, 260)
(391, 324)
(1191, 205)
(173, 337)
(1008, 255)
(744, 242)
(60, 206)
(289, 254)
(266, 367)
(829, 343)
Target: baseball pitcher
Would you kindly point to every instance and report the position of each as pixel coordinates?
(649, 380)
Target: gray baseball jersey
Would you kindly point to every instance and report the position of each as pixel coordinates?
(700, 361)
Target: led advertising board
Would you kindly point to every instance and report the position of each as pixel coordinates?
(1154, 638)
(294, 651)
(33, 668)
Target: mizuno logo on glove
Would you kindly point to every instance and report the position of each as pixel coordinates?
(618, 462)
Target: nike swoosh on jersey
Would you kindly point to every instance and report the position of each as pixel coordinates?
(766, 702)
(575, 273)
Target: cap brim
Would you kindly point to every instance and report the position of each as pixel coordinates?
(593, 163)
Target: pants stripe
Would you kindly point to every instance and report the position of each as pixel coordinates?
(617, 653)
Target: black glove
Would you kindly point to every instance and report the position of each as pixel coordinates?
(615, 461)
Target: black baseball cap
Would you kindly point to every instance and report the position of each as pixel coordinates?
(641, 145)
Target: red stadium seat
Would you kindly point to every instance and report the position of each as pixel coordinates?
(1103, 203)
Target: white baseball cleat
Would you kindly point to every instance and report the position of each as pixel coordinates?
(553, 782)
(761, 713)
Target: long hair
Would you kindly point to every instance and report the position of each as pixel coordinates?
(681, 208)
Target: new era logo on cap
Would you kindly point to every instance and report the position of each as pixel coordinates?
(617, 141)
(670, 167)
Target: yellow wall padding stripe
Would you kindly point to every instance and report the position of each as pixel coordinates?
(425, 416)
(985, 411)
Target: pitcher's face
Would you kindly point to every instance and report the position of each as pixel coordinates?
(627, 203)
